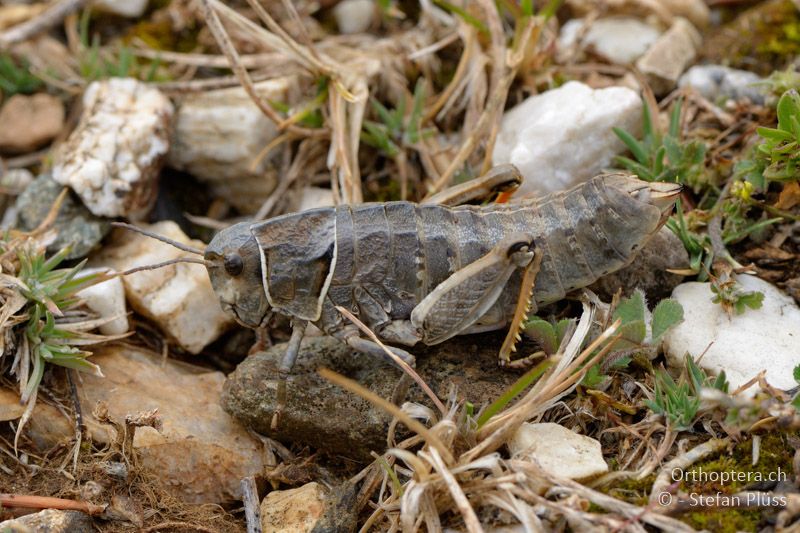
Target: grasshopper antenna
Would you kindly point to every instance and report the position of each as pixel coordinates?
(160, 265)
(176, 244)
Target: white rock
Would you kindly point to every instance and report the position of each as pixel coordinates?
(621, 40)
(354, 16)
(559, 451)
(670, 55)
(123, 8)
(563, 137)
(294, 510)
(107, 299)
(178, 298)
(113, 157)
(219, 136)
(717, 82)
(664, 11)
(742, 345)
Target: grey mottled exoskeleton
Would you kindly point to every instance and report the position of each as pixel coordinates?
(427, 272)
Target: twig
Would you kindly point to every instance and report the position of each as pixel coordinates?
(252, 511)
(50, 17)
(27, 501)
(665, 477)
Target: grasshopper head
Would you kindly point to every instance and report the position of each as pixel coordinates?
(234, 266)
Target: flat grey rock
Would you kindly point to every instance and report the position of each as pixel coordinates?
(326, 417)
(75, 223)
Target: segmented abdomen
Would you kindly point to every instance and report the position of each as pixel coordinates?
(391, 255)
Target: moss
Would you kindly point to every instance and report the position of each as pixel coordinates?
(632, 490)
(723, 520)
(775, 456)
(762, 39)
(160, 36)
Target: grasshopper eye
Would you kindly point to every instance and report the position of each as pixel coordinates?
(233, 264)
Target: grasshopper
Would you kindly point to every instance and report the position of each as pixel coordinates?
(430, 271)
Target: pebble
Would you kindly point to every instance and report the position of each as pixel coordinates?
(354, 16)
(124, 8)
(324, 416)
(559, 451)
(201, 453)
(75, 224)
(742, 345)
(621, 40)
(293, 510)
(113, 157)
(562, 137)
(670, 56)
(30, 122)
(716, 82)
(107, 299)
(50, 521)
(178, 298)
(219, 136)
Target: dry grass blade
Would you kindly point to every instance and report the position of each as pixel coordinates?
(464, 507)
(224, 41)
(52, 16)
(408, 369)
(348, 384)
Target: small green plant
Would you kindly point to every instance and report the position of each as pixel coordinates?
(16, 79)
(95, 63)
(679, 401)
(395, 130)
(50, 292)
(796, 374)
(777, 157)
(633, 316)
(732, 297)
(546, 333)
(309, 114)
(664, 157)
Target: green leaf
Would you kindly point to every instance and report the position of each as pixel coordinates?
(796, 374)
(520, 385)
(593, 377)
(788, 106)
(631, 309)
(561, 328)
(774, 135)
(640, 170)
(752, 299)
(636, 148)
(633, 332)
(667, 314)
(543, 333)
(675, 119)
